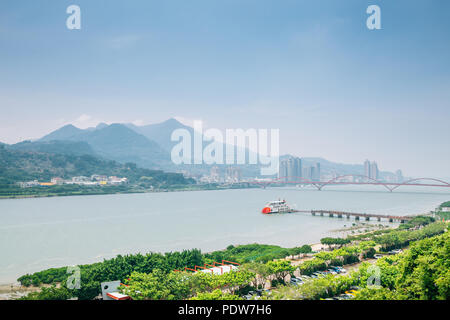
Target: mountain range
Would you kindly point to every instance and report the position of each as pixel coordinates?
(148, 146)
(116, 142)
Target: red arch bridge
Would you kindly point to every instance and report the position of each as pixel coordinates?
(363, 180)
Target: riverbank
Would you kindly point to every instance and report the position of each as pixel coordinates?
(15, 290)
(100, 192)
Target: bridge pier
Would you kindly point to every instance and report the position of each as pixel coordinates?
(359, 216)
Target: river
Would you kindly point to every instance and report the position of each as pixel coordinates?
(39, 233)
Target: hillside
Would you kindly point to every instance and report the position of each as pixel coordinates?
(61, 147)
(63, 133)
(25, 165)
(116, 142)
(161, 132)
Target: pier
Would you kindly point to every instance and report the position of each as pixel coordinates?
(358, 216)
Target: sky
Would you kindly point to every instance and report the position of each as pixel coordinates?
(334, 88)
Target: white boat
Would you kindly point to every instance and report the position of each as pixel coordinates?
(277, 206)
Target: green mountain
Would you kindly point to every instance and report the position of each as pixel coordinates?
(18, 165)
(161, 132)
(116, 142)
(61, 147)
(63, 133)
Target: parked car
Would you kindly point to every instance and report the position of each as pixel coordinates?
(378, 256)
(332, 271)
(296, 281)
(253, 295)
(337, 269)
(318, 274)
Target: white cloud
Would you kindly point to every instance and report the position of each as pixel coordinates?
(83, 118)
(138, 122)
(84, 121)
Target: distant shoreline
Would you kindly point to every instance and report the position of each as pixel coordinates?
(31, 196)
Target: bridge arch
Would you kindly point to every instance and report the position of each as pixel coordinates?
(290, 180)
(406, 183)
(371, 181)
(375, 181)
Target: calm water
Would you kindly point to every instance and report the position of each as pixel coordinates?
(51, 232)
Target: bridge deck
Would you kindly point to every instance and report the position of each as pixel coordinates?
(356, 214)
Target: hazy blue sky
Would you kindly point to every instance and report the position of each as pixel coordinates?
(311, 68)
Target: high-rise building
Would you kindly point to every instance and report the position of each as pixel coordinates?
(290, 169)
(312, 173)
(374, 171)
(367, 168)
(282, 173)
(299, 168)
(306, 173)
(399, 176)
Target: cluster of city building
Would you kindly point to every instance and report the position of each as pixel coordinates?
(231, 174)
(371, 170)
(291, 169)
(294, 170)
(95, 179)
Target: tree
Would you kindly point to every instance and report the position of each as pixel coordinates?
(280, 269)
(50, 293)
(157, 285)
(216, 295)
(334, 241)
(261, 270)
